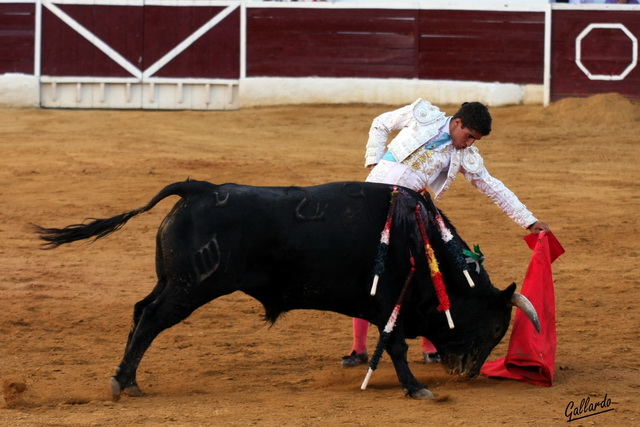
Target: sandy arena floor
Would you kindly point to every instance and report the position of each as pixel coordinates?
(65, 314)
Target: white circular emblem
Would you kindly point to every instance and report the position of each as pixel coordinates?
(425, 113)
(472, 160)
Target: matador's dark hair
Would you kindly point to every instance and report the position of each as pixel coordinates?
(475, 116)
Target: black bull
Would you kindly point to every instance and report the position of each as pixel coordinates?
(308, 248)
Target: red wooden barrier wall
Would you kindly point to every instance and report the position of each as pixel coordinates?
(67, 53)
(142, 35)
(478, 45)
(331, 43)
(484, 46)
(427, 44)
(605, 51)
(17, 29)
(216, 54)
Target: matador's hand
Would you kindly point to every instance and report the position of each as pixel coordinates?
(539, 226)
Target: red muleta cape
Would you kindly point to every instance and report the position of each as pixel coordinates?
(531, 356)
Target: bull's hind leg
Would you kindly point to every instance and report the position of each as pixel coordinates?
(397, 349)
(173, 304)
(131, 388)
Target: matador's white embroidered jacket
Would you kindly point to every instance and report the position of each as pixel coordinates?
(412, 162)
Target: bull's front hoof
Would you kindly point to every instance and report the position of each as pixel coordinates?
(116, 389)
(422, 393)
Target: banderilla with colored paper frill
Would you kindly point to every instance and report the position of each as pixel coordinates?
(391, 324)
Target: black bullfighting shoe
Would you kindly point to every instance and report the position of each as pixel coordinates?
(431, 357)
(354, 359)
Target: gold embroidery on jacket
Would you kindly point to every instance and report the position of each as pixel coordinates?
(429, 162)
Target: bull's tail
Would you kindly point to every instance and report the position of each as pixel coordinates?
(99, 228)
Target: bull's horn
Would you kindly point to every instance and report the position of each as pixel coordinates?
(520, 301)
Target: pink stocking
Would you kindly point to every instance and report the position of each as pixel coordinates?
(360, 329)
(427, 346)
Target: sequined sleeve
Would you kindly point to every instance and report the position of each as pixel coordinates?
(501, 195)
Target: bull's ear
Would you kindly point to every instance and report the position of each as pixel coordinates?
(508, 293)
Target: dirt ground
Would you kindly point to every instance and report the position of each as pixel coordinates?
(65, 314)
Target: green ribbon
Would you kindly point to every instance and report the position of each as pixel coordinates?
(476, 257)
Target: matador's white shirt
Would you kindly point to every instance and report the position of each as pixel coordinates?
(422, 155)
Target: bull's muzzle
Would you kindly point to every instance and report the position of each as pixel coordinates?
(464, 366)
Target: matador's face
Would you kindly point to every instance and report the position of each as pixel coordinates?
(461, 136)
